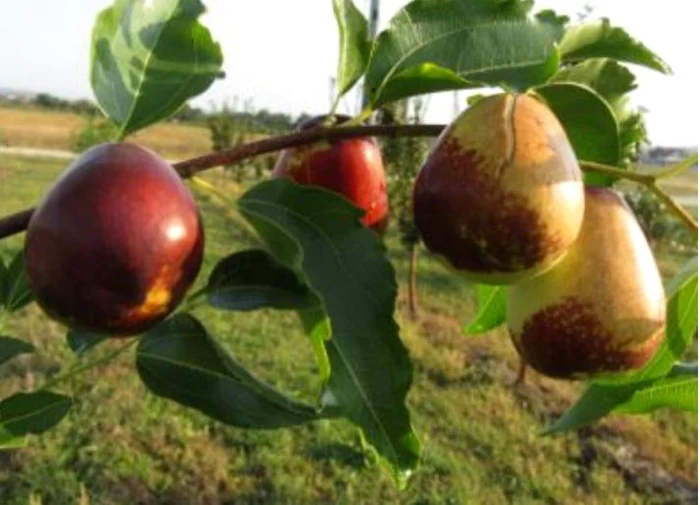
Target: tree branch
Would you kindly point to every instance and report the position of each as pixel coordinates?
(16, 223)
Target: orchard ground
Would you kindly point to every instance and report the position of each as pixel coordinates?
(120, 444)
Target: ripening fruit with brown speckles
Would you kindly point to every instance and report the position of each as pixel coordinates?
(601, 309)
(116, 242)
(500, 196)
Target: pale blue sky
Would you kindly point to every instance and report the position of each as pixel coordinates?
(282, 54)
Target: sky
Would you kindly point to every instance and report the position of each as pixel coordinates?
(281, 54)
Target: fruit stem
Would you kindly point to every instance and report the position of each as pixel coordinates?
(649, 180)
(639, 177)
(79, 369)
(674, 206)
(677, 169)
(360, 118)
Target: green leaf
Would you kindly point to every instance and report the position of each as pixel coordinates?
(11, 347)
(614, 82)
(318, 233)
(598, 39)
(589, 123)
(17, 291)
(678, 392)
(24, 413)
(681, 321)
(317, 327)
(3, 281)
(9, 441)
(253, 279)
(660, 382)
(81, 341)
(492, 309)
(355, 44)
(180, 360)
(149, 58)
(453, 44)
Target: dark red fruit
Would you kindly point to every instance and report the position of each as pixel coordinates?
(116, 242)
(351, 167)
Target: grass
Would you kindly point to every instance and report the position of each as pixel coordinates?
(44, 129)
(120, 444)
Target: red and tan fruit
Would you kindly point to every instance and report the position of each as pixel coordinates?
(116, 243)
(601, 309)
(500, 196)
(352, 168)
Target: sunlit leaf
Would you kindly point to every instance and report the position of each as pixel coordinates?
(492, 309)
(599, 39)
(453, 44)
(149, 58)
(355, 44)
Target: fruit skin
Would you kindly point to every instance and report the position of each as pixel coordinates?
(350, 167)
(500, 196)
(116, 242)
(602, 308)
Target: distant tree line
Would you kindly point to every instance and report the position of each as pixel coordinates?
(260, 121)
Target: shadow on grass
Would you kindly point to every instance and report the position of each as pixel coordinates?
(341, 453)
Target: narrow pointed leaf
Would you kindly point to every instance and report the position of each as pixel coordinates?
(681, 321)
(599, 39)
(11, 347)
(250, 280)
(453, 44)
(678, 392)
(355, 44)
(25, 413)
(18, 294)
(492, 309)
(149, 58)
(180, 360)
(344, 263)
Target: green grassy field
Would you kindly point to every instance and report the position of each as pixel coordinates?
(122, 445)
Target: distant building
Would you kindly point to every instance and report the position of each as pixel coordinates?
(660, 155)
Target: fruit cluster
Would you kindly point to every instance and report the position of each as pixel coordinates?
(117, 242)
(501, 199)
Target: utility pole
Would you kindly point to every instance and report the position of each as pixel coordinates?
(373, 26)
